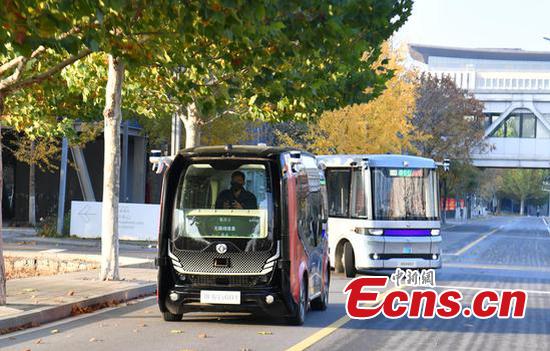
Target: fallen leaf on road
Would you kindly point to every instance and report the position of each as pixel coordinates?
(265, 333)
(70, 293)
(54, 331)
(29, 290)
(94, 340)
(202, 336)
(143, 325)
(39, 341)
(176, 331)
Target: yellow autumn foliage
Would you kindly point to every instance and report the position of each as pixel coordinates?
(383, 125)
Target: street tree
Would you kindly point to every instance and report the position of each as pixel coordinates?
(260, 60)
(490, 187)
(24, 64)
(123, 30)
(523, 185)
(449, 118)
(379, 126)
(288, 60)
(449, 121)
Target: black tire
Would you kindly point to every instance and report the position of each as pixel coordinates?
(171, 317)
(321, 302)
(349, 261)
(299, 316)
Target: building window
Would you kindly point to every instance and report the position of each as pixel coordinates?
(489, 119)
(519, 124)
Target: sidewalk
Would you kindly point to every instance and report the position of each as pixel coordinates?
(15, 234)
(38, 300)
(451, 222)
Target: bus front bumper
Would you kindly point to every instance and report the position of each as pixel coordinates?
(386, 252)
(267, 300)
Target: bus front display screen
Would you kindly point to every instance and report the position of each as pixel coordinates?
(204, 223)
(404, 194)
(407, 173)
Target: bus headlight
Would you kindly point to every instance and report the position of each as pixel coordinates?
(435, 232)
(376, 231)
(369, 231)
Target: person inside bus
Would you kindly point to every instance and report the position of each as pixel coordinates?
(237, 197)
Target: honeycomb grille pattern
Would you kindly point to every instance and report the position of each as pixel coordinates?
(251, 262)
(230, 280)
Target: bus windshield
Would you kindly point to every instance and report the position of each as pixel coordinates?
(404, 194)
(214, 203)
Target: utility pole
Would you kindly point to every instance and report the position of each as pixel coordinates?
(62, 186)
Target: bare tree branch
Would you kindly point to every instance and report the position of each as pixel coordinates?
(45, 75)
(10, 64)
(15, 61)
(14, 77)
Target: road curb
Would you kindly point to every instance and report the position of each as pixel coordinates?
(50, 314)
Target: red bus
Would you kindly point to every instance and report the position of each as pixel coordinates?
(243, 228)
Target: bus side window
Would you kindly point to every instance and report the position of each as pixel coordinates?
(304, 209)
(338, 184)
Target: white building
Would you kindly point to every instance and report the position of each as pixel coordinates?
(515, 88)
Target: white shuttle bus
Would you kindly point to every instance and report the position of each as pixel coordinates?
(383, 212)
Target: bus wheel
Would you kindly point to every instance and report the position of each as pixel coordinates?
(321, 303)
(349, 261)
(300, 314)
(171, 317)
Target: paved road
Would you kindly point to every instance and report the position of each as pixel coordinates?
(507, 252)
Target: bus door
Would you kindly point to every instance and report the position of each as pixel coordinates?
(310, 222)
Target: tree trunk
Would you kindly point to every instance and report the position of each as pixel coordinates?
(32, 190)
(111, 170)
(192, 123)
(2, 264)
(521, 207)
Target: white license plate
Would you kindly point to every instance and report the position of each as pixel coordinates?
(407, 264)
(221, 297)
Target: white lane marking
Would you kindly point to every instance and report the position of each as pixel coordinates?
(326, 331)
(497, 267)
(546, 224)
(496, 289)
(473, 243)
(53, 250)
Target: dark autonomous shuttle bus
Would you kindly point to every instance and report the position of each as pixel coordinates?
(243, 228)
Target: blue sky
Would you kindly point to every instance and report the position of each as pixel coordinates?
(479, 24)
